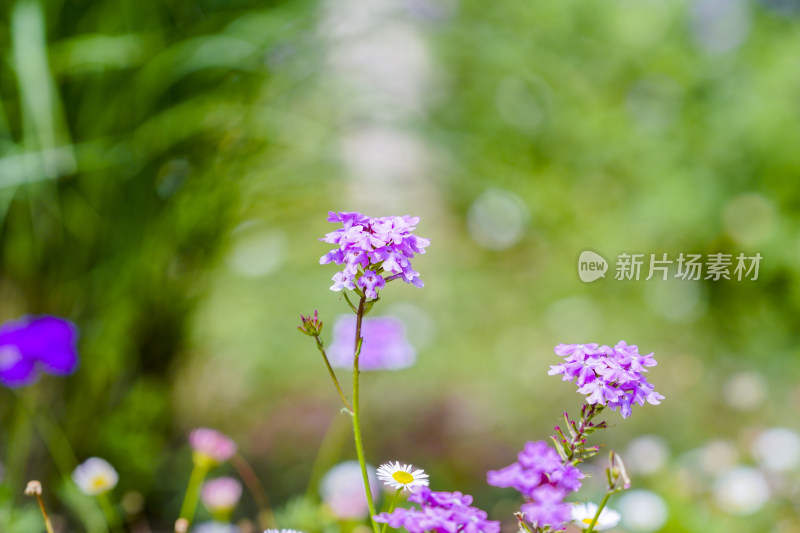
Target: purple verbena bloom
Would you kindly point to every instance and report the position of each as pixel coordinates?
(369, 247)
(608, 376)
(385, 346)
(547, 508)
(31, 345)
(440, 512)
(544, 480)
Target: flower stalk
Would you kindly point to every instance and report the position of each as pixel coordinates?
(266, 517)
(34, 488)
(356, 414)
(192, 495)
(391, 507)
(618, 481)
(112, 516)
(600, 508)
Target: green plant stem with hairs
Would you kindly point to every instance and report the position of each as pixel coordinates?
(321, 348)
(356, 418)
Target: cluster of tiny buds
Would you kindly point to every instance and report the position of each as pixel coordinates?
(311, 326)
(571, 445)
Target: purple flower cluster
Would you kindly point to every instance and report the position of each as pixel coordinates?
(544, 480)
(608, 376)
(440, 512)
(33, 344)
(369, 247)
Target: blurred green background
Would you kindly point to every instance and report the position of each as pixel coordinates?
(166, 169)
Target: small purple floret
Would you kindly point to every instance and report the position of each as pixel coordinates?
(608, 376)
(31, 345)
(369, 247)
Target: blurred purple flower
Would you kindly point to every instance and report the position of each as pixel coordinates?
(385, 346)
(34, 344)
(608, 376)
(544, 480)
(342, 490)
(210, 446)
(440, 512)
(368, 247)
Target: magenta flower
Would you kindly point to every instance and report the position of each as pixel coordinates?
(32, 345)
(440, 512)
(370, 247)
(210, 446)
(608, 376)
(220, 495)
(544, 480)
(385, 346)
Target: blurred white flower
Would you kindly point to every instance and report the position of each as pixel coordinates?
(642, 511)
(497, 219)
(342, 490)
(215, 527)
(647, 454)
(777, 449)
(95, 476)
(718, 456)
(745, 391)
(741, 490)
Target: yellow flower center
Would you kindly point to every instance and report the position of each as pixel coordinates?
(99, 482)
(403, 477)
(587, 521)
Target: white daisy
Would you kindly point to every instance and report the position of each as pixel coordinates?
(282, 531)
(402, 477)
(583, 514)
(95, 476)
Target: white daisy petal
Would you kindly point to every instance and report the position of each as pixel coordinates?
(583, 513)
(400, 476)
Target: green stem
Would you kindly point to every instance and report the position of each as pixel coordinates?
(192, 495)
(391, 508)
(599, 510)
(112, 517)
(321, 349)
(356, 419)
